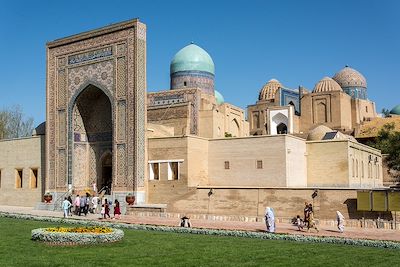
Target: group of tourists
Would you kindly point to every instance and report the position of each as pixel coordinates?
(308, 221)
(85, 204)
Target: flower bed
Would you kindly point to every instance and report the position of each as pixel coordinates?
(77, 235)
(248, 234)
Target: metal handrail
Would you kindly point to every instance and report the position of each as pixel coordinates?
(56, 203)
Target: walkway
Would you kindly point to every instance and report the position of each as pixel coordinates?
(361, 233)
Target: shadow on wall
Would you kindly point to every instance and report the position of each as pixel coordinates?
(351, 204)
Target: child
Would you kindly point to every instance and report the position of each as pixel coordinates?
(103, 211)
(299, 223)
(117, 210)
(107, 209)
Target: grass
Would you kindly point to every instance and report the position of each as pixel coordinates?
(148, 248)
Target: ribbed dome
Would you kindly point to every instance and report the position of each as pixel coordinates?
(318, 133)
(395, 110)
(348, 77)
(327, 85)
(192, 58)
(218, 97)
(269, 89)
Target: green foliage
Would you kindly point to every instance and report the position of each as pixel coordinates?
(162, 247)
(13, 124)
(388, 141)
(228, 134)
(385, 112)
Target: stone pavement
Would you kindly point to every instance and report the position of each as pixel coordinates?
(360, 233)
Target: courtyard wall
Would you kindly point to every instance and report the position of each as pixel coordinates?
(22, 171)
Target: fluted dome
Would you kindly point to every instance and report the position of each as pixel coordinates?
(269, 89)
(218, 97)
(192, 58)
(326, 85)
(349, 77)
(318, 133)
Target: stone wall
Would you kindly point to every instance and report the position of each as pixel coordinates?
(26, 155)
(287, 203)
(257, 161)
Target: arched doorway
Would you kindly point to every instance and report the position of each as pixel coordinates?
(279, 124)
(281, 128)
(234, 128)
(91, 137)
(105, 179)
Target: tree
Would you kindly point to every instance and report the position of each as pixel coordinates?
(388, 141)
(385, 112)
(13, 123)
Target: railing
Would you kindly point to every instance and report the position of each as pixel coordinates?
(58, 201)
(104, 189)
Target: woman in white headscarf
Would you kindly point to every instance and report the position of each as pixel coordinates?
(340, 221)
(270, 220)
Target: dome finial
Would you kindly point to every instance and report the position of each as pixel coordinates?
(346, 66)
(191, 42)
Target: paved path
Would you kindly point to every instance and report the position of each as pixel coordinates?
(363, 233)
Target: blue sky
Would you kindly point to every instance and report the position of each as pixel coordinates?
(296, 42)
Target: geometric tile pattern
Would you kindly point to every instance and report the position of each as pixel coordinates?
(121, 121)
(140, 107)
(102, 73)
(121, 77)
(112, 58)
(80, 165)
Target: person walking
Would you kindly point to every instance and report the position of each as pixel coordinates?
(77, 204)
(95, 202)
(117, 210)
(87, 203)
(270, 220)
(82, 205)
(70, 208)
(66, 205)
(340, 221)
(106, 209)
(305, 213)
(311, 222)
(103, 211)
(299, 223)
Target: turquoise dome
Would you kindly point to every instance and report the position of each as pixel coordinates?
(395, 110)
(192, 58)
(218, 97)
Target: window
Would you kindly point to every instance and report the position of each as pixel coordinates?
(227, 165)
(184, 83)
(18, 178)
(173, 170)
(154, 171)
(34, 180)
(366, 109)
(259, 164)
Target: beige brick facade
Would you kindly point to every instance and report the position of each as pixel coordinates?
(25, 155)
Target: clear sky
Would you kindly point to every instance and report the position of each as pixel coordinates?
(296, 42)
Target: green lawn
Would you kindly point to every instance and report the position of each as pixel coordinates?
(141, 248)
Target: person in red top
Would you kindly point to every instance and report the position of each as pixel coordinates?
(117, 210)
(107, 209)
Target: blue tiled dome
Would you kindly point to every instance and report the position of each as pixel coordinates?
(192, 58)
(395, 110)
(218, 97)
